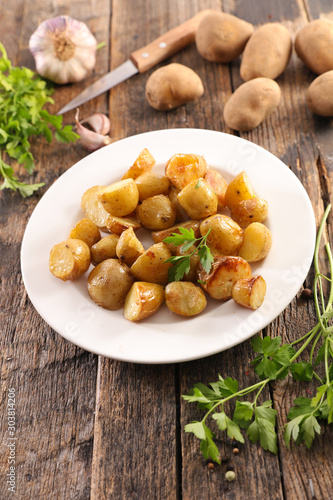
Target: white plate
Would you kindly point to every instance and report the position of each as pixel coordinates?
(165, 337)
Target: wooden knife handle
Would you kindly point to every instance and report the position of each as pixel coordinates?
(169, 43)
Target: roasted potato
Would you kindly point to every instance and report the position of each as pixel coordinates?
(152, 266)
(69, 259)
(221, 37)
(86, 231)
(225, 271)
(143, 300)
(150, 184)
(185, 298)
(93, 208)
(129, 248)
(219, 185)
(171, 86)
(198, 199)
(117, 225)
(120, 198)
(320, 94)
(267, 52)
(257, 242)
(225, 235)
(156, 213)
(181, 215)
(104, 249)
(159, 236)
(313, 45)
(239, 189)
(182, 169)
(251, 104)
(109, 283)
(143, 163)
(249, 292)
(251, 210)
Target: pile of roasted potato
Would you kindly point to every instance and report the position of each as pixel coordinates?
(191, 195)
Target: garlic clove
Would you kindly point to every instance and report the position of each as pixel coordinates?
(64, 49)
(99, 122)
(89, 139)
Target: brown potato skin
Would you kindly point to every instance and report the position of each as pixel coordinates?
(182, 169)
(104, 249)
(219, 186)
(320, 95)
(86, 231)
(257, 242)
(120, 198)
(239, 189)
(143, 300)
(184, 298)
(225, 271)
(181, 215)
(225, 236)
(221, 37)
(157, 213)
(198, 199)
(267, 52)
(109, 282)
(143, 163)
(313, 45)
(248, 211)
(249, 292)
(171, 86)
(150, 184)
(251, 104)
(129, 247)
(152, 266)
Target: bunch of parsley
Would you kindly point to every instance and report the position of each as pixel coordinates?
(23, 95)
(275, 362)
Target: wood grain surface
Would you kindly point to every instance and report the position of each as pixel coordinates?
(91, 427)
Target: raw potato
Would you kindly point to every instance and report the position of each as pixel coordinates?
(313, 45)
(143, 300)
(198, 199)
(144, 163)
(157, 213)
(248, 211)
(129, 248)
(69, 259)
(222, 37)
(320, 95)
(267, 52)
(181, 215)
(152, 266)
(104, 249)
(182, 169)
(224, 272)
(249, 292)
(239, 189)
(159, 236)
(225, 235)
(118, 225)
(150, 184)
(185, 298)
(109, 283)
(120, 198)
(219, 185)
(171, 86)
(251, 104)
(93, 208)
(86, 231)
(257, 242)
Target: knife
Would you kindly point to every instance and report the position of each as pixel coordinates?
(141, 60)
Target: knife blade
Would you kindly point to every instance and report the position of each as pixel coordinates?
(141, 60)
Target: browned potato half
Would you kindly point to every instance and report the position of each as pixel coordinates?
(104, 249)
(219, 185)
(93, 208)
(251, 210)
(120, 198)
(221, 37)
(313, 45)
(267, 52)
(224, 272)
(69, 259)
(180, 212)
(129, 248)
(109, 283)
(249, 292)
(238, 190)
(143, 300)
(159, 236)
(117, 225)
(144, 163)
(86, 231)
(157, 213)
(225, 235)
(185, 298)
(257, 242)
(198, 199)
(150, 184)
(194, 261)
(182, 169)
(152, 266)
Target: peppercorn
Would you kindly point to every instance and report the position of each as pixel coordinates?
(306, 293)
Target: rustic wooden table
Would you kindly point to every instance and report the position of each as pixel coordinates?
(92, 427)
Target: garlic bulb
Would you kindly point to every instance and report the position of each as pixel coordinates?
(64, 49)
(93, 139)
